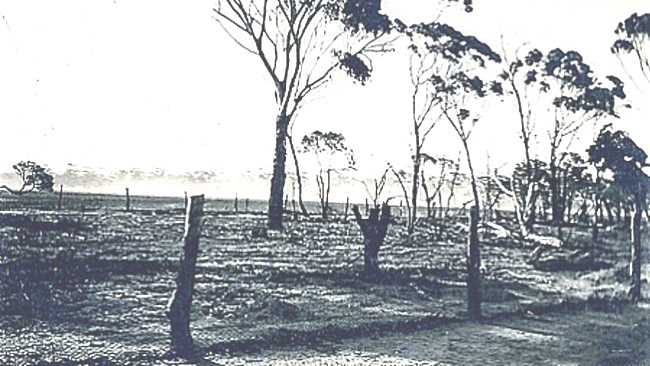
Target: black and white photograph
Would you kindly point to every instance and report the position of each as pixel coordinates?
(324, 182)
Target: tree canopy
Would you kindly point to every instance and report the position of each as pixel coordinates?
(34, 178)
(617, 152)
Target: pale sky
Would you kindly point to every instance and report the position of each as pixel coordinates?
(122, 84)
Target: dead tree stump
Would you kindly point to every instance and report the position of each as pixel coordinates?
(374, 230)
(179, 310)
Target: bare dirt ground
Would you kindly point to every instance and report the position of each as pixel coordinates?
(93, 288)
(616, 337)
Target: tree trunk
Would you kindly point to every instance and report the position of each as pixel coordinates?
(293, 202)
(374, 230)
(525, 133)
(180, 306)
(473, 268)
(608, 210)
(277, 179)
(569, 209)
(303, 209)
(635, 260)
(427, 196)
(414, 191)
(409, 220)
(440, 208)
(60, 202)
(326, 208)
(556, 199)
(473, 253)
(594, 223)
(321, 195)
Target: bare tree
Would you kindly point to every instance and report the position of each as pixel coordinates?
(401, 177)
(434, 183)
(298, 175)
(375, 187)
(527, 182)
(301, 44)
(424, 117)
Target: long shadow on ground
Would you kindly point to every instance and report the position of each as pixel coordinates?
(283, 338)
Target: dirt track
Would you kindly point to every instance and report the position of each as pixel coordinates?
(583, 338)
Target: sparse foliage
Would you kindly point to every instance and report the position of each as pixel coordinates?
(439, 174)
(442, 60)
(332, 155)
(575, 97)
(633, 36)
(451, 65)
(301, 45)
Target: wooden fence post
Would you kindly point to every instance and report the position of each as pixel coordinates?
(236, 203)
(58, 205)
(473, 267)
(128, 200)
(181, 301)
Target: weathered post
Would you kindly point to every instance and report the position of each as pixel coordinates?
(185, 201)
(60, 202)
(374, 230)
(128, 200)
(473, 268)
(236, 203)
(347, 208)
(181, 301)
